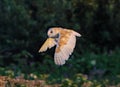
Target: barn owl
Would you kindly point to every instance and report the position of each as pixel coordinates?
(64, 39)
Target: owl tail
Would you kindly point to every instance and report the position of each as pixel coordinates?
(77, 34)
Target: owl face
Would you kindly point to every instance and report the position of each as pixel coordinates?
(53, 32)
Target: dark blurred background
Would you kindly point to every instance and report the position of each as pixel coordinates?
(23, 28)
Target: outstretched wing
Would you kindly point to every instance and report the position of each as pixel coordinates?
(50, 42)
(65, 46)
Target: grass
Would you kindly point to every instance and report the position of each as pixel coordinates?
(85, 70)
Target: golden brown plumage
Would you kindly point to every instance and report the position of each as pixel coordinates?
(65, 41)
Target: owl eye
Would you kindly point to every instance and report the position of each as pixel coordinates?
(51, 31)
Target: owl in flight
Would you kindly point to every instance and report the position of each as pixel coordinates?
(64, 39)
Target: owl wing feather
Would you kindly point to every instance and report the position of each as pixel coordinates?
(65, 46)
(50, 42)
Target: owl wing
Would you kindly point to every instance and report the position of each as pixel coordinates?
(50, 42)
(65, 46)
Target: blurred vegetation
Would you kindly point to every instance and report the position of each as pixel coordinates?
(23, 27)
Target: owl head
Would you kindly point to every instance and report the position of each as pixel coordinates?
(54, 32)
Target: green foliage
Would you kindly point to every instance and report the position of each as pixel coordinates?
(23, 27)
(106, 63)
